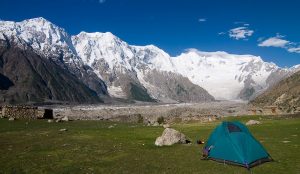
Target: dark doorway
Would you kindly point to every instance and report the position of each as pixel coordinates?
(48, 114)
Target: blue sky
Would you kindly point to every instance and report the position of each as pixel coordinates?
(270, 29)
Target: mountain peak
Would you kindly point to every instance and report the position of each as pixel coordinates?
(39, 24)
(42, 35)
(98, 35)
(38, 19)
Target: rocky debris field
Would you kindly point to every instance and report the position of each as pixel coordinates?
(153, 114)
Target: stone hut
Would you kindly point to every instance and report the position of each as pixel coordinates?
(25, 112)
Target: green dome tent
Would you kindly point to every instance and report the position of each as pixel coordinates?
(232, 143)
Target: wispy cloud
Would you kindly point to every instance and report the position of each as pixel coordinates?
(294, 49)
(101, 1)
(240, 33)
(202, 20)
(279, 41)
(241, 23)
(276, 41)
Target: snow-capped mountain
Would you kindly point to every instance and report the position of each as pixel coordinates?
(52, 42)
(103, 56)
(92, 47)
(227, 76)
(42, 36)
(146, 72)
(121, 65)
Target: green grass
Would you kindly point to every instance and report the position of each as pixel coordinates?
(91, 147)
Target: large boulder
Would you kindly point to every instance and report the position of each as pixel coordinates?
(169, 137)
(252, 122)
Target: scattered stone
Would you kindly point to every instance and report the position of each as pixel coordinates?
(65, 118)
(286, 141)
(166, 126)
(50, 121)
(169, 137)
(62, 119)
(111, 126)
(64, 145)
(252, 122)
(11, 119)
(155, 124)
(63, 130)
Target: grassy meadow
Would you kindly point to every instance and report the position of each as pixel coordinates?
(92, 147)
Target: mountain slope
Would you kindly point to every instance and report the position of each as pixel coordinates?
(285, 94)
(125, 67)
(53, 43)
(30, 78)
(226, 76)
(176, 87)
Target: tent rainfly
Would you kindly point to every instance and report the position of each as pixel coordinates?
(232, 143)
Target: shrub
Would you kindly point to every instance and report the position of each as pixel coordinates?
(160, 120)
(140, 119)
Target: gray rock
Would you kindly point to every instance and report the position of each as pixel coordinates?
(155, 124)
(50, 121)
(11, 119)
(62, 119)
(65, 118)
(63, 130)
(169, 137)
(170, 87)
(166, 126)
(252, 122)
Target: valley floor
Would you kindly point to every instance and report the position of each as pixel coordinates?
(151, 111)
(108, 147)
